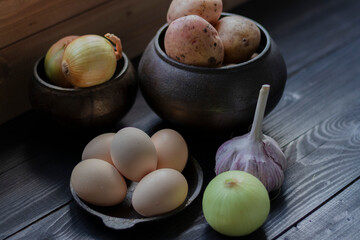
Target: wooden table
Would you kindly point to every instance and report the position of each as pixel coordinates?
(317, 124)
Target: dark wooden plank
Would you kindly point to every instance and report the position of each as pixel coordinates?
(321, 90)
(38, 181)
(71, 222)
(337, 219)
(322, 147)
(18, 19)
(30, 137)
(37, 160)
(134, 21)
(141, 116)
(118, 17)
(320, 163)
(315, 167)
(15, 148)
(318, 104)
(316, 96)
(306, 30)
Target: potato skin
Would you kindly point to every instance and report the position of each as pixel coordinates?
(192, 40)
(210, 10)
(240, 36)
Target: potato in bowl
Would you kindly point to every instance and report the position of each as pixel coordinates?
(210, 98)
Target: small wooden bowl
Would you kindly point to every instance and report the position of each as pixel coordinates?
(86, 107)
(123, 215)
(210, 98)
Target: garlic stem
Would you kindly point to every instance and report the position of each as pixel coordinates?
(118, 46)
(256, 129)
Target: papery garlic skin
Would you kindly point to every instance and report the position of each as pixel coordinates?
(254, 152)
(263, 159)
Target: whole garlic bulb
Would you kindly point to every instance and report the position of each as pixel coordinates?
(254, 152)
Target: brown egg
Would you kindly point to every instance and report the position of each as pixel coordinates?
(98, 182)
(99, 148)
(171, 148)
(133, 153)
(159, 192)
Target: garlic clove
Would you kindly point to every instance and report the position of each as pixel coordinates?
(254, 152)
(262, 159)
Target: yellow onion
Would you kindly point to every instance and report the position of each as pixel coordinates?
(91, 60)
(53, 59)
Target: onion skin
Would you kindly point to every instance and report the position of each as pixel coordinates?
(53, 59)
(88, 61)
(235, 203)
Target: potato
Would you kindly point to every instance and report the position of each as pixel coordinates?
(192, 40)
(210, 10)
(240, 36)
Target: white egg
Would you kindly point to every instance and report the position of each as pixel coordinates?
(133, 153)
(98, 182)
(99, 148)
(171, 148)
(159, 192)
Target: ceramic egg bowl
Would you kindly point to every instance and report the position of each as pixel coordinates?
(86, 107)
(210, 98)
(124, 216)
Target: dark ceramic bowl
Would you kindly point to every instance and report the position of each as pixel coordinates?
(210, 98)
(123, 215)
(87, 107)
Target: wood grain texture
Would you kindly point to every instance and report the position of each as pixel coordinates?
(70, 222)
(118, 17)
(323, 89)
(28, 29)
(228, 5)
(337, 219)
(298, 22)
(314, 102)
(315, 171)
(20, 19)
(322, 152)
(320, 162)
(35, 175)
(316, 123)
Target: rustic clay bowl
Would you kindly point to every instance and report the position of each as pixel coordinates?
(210, 98)
(86, 107)
(123, 215)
